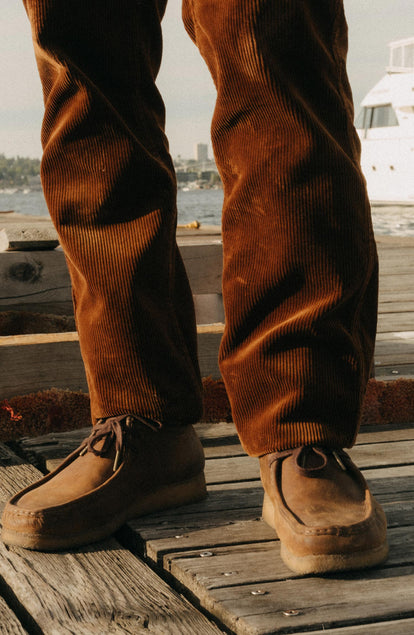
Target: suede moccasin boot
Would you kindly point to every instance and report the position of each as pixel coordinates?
(128, 467)
(323, 512)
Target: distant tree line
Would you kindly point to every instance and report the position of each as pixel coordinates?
(18, 171)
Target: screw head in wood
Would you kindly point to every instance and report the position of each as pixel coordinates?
(206, 554)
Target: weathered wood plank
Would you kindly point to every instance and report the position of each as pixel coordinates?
(319, 603)
(209, 308)
(34, 278)
(368, 452)
(394, 350)
(380, 454)
(384, 482)
(398, 295)
(223, 497)
(232, 469)
(390, 242)
(28, 237)
(245, 468)
(40, 281)
(185, 232)
(259, 562)
(98, 589)
(9, 624)
(239, 562)
(383, 241)
(245, 532)
(223, 451)
(219, 440)
(396, 627)
(203, 263)
(394, 261)
(231, 506)
(236, 527)
(389, 480)
(217, 433)
(390, 373)
(385, 433)
(396, 307)
(53, 360)
(47, 451)
(398, 337)
(401, 281)
(39, 362)
(391, 322)
(158, 527)
(15, 473)
(40, 273)
(234, 502)
(208, 342)
(238, 530)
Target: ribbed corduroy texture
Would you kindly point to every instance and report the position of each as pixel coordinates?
(110, 187)
(300, 269)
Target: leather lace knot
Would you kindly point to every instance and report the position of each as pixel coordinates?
(112, 431)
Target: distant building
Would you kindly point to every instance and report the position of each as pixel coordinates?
(201, 152)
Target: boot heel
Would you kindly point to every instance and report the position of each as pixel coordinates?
(191, 491)
(170, 496)
(268, 512)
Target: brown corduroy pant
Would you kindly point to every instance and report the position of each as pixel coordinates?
(300, 267)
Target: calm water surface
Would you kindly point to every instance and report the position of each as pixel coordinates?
(205, 206)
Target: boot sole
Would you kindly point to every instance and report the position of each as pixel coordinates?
(167, 497)
(324, 563)
(329, 563)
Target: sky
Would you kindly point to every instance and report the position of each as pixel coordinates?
(184, 81)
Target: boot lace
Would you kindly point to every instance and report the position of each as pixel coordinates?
(112, 431)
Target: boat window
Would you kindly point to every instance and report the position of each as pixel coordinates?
(402, 56)
(383, 117)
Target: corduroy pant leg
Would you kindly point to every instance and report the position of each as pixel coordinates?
(110, 187)
(300, 265)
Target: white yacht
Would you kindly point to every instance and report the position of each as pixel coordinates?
(385, 126)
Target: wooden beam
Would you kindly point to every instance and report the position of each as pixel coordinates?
(53, 360)
(39, 281)
(28, 237)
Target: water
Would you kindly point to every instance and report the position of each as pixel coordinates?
(202, 205)
(205, 206)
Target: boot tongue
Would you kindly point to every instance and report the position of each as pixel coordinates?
(310, 459)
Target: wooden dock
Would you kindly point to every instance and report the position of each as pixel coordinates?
(212, 567)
